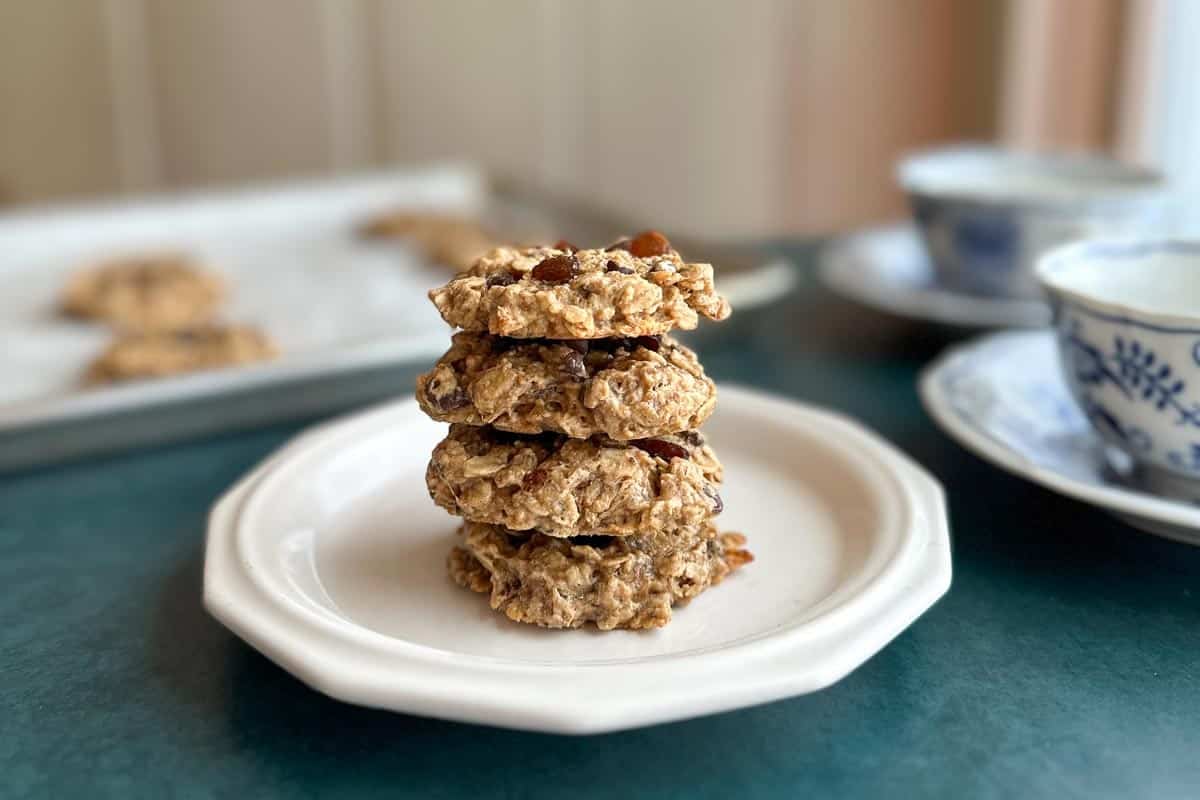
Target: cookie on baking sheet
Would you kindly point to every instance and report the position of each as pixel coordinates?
(161, 353)
(638, 287)
(629, 582)
(144, 293)
(445, 239)
(623, 388)
(568, 487)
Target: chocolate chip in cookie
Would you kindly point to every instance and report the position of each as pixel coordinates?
(661, 448)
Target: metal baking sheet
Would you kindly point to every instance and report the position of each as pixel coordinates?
(350, 315)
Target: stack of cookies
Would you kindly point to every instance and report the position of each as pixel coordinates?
(573, 456)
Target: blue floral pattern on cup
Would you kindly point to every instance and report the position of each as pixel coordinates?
(1134, 369)
(1122, 382)
(1188, 459)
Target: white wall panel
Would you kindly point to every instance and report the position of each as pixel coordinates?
(462, 79)
(699, 116)
(673, 110)
(241, 89)
(56, 123)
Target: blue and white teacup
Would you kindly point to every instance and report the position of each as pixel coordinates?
(986, 214)
(1127, 319)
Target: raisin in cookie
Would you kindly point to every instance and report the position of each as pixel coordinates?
(629, 582)
(565, 487)
(150, 293)
(634, 288)
(158, 354)
(622, 388)
(456, 242)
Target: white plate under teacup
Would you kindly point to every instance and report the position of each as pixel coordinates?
(888, 269)
(330, 559)
(1003, 397)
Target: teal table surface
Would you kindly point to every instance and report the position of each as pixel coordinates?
(1064, 662)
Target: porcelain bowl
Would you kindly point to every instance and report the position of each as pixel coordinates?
(1127, 321)
(986, 213)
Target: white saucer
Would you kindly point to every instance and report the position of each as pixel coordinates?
(756, 287)
(1002, 397)
(888, 269)
(330, 559)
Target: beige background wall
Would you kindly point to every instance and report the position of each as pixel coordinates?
(722, 117)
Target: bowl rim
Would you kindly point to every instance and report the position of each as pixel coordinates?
(1132, 181)
(1049, 266)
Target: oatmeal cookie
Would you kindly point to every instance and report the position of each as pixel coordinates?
(629, 582)
(444, 239)
(621, 388)
(565, 487)
(639, 287)
(148, 293)
(162, 353)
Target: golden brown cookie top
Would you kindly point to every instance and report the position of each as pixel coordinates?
(456, 242)
(623, 388)
(636, 287)
(570, 487)
(144, 293)
(629, 582)
(162, 353)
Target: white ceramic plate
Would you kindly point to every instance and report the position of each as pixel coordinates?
(888, 269)
(330, 559)
(1003, 397)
